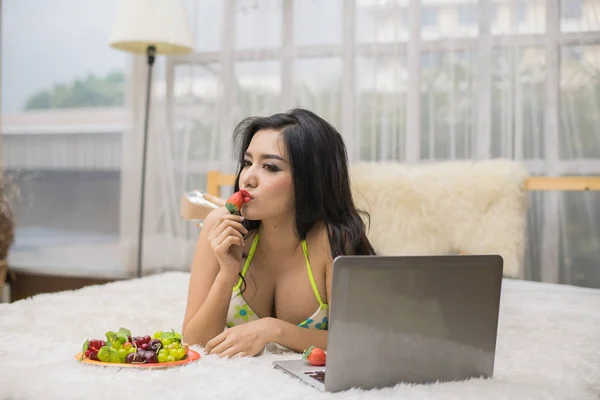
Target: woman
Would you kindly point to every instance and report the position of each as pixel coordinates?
(263, 274)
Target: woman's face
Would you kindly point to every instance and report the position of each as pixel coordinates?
(267, 176)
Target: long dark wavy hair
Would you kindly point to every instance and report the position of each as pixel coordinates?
(319, 165)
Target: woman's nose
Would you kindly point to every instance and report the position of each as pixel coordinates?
(248, 178)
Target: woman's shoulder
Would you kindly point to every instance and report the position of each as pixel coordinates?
(322, 235)
(318, 240)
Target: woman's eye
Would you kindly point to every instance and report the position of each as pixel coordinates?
(246, 163)
(271, 168)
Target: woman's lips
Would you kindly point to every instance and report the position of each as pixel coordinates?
(247, 196)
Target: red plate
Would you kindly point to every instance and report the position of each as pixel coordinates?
(191, 357)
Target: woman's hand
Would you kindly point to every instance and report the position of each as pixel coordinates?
(244, 340)
(227, 242)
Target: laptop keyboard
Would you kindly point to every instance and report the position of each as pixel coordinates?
(318, 375)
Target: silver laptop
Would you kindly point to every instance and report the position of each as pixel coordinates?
(414, 319)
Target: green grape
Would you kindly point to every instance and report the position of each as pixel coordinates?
(118, 342)
(170, 359)
(131, 350)
(163, 351)
(180, 353)
(157, 335)
(173, 352)
(122, 353)
(104, 353)
(113, 356)
(162, 358)
(166, 342)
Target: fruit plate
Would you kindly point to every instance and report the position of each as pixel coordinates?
(191, 357)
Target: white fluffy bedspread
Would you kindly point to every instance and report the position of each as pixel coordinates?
(548, 348)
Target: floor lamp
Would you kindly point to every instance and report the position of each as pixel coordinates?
(150, 27)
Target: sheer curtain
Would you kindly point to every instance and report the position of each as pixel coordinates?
(413, 81)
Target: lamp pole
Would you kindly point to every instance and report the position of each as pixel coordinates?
(150, 56)
(150, 28)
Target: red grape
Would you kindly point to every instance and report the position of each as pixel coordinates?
(144, 346)
(154, 345)
(147, 339)
(96, 344)
(150, 357)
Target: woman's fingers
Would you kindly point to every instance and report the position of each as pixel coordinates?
(222, 347)
(215, 342)
(233, 351)
(229, 232)
(224, 246)
(227, 221)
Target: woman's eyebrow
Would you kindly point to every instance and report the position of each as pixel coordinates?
(266, 156)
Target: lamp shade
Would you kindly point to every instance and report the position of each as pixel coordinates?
(159, 23)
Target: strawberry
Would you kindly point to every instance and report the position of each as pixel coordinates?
(236, 201)
(315, 356)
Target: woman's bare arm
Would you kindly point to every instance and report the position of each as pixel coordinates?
(295, 337)
(209, 291)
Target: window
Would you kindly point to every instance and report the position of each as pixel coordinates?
(521, 12)
(308, 14)
(462, 96)
(467, 14)
(571, 9)
(429, 16)
(62, 126)
(579, 110)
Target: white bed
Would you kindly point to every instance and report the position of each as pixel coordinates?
(548, 348)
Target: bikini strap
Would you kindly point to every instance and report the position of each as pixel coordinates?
(311, 277)
(247, 263)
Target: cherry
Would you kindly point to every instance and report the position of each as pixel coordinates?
(150, 357)
(154, 345)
